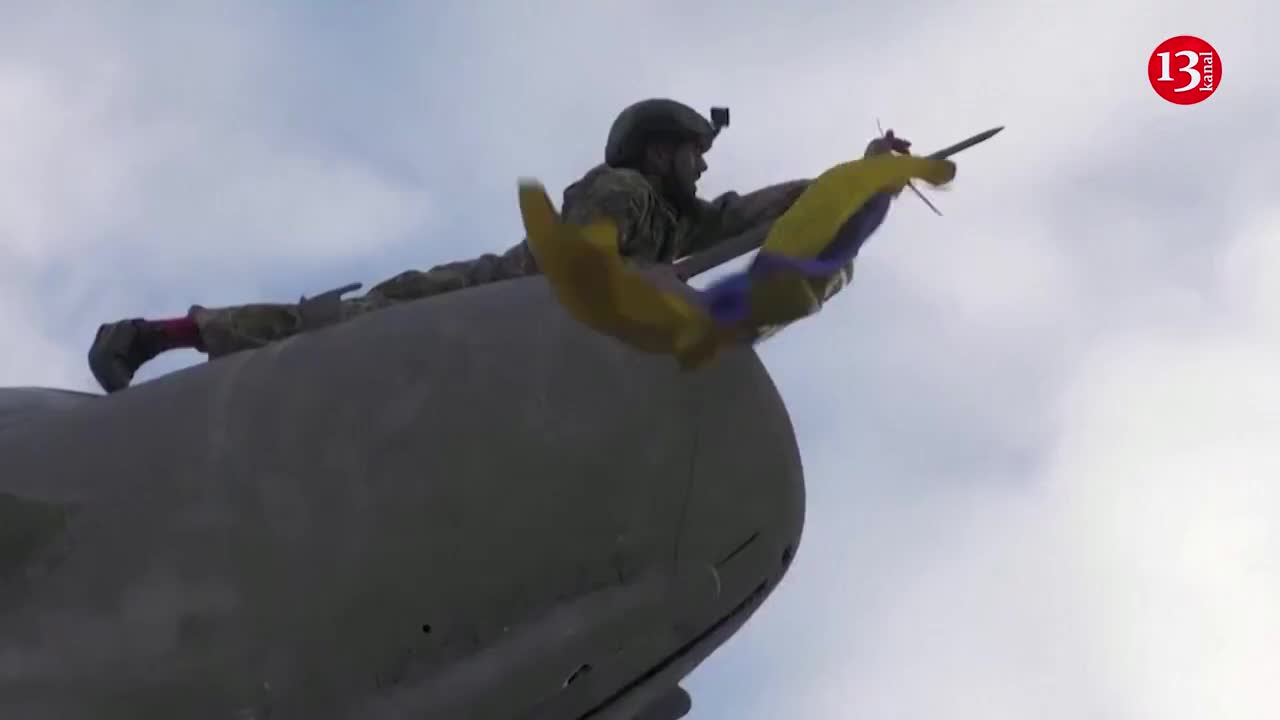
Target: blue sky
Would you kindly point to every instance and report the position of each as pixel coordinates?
(1039, 432)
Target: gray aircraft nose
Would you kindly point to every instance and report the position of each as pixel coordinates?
(745, 509)
(742, 519)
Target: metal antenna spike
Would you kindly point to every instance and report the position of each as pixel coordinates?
(965, 144)
(752, 239)
(924, 199)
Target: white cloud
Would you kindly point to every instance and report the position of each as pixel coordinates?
(161, 148)
(202, 187)
(1167, 477)
(31, 356)
(1133, 572)
(1036, 429)
(1251, 273)
(146, 166)
(64, 176)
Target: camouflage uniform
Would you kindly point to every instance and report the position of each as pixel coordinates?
(651, 231)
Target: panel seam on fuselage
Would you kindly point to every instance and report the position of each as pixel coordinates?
(689, 479)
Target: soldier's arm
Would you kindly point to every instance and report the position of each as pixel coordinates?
(732, 213)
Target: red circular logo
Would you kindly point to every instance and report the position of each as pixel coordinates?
(1184, 70)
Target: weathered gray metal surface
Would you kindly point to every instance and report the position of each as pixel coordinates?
(23, 404)
(396, 517)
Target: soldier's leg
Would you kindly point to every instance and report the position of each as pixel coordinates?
(226, 330)
(121, 348)
(231, 329)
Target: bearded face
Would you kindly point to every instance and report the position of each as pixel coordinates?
(677, 165)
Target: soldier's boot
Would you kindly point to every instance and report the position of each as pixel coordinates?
(121, 348)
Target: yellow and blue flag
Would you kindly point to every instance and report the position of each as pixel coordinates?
(821, 232)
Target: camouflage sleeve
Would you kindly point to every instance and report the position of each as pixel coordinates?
(620, 195)
(731, 214)
(514, 263)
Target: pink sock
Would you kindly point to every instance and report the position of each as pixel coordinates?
(180, 332)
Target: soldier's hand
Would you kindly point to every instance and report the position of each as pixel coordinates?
(888, 143)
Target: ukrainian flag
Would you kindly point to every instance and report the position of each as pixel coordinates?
(814, 239)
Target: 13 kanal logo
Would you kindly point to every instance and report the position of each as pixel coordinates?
(1184, 70)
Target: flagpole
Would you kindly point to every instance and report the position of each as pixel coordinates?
(752, 239)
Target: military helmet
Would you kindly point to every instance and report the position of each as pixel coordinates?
(659, 117)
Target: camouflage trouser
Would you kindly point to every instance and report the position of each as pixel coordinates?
(242, 327)
(226, 330)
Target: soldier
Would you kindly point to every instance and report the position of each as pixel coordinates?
(654, 158)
